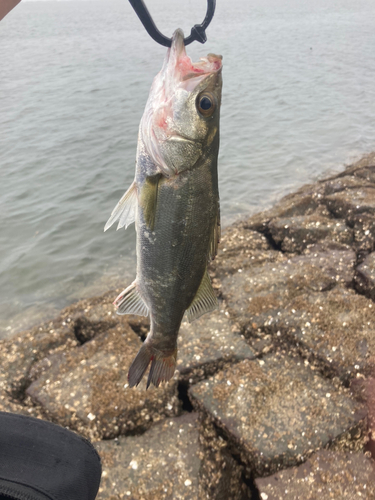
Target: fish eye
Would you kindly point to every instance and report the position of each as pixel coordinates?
(206, 104)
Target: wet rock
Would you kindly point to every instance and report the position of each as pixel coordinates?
(255, 297)
(276, 412)
(363, 389)
(90, 317)
(341, 183)
(334, 327)
(351, 202)
(85, 330)
(365, 277)
(364, 234)
(325, 475)
(367, 173)
(86, 389)
(240, 248)
(164, 463)
(222, 476)
(365, 162)
(9, 404)
(294, 234)
(303, 202)
(207, 345)
(21, 352)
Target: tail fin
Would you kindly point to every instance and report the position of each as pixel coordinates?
(162, 366)
(162, 369)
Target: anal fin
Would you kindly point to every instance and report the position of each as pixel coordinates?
(125, 210)
(130, 302)
(204, 301)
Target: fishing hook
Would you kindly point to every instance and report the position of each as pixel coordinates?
(198, 32)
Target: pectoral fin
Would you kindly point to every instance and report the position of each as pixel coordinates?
(125, 209)
(215, 236)
(204, 301)
(149, 199)
(130, 302)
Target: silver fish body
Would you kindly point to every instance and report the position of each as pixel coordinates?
(174, 201)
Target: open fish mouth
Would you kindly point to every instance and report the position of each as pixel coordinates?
(179, 68)
(178, 74)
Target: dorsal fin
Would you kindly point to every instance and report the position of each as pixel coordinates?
(204, 301)
(125, 209)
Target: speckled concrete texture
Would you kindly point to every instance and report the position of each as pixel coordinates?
(365, 277)
(335, 329)
(293, 234)
(361, 200)
(278, 411)
(209, 344)
(255, 296)
(21, 353)
(164, 463)
(86, 389)
(222, 474)
(326, 475)
(241, 248)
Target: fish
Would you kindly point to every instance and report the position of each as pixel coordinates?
(174, 202)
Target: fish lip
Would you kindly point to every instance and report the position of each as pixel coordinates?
(180, 138)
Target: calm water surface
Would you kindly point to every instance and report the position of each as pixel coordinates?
(298, 101)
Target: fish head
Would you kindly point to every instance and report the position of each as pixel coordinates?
(181, 119)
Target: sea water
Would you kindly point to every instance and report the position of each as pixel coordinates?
(298, 102)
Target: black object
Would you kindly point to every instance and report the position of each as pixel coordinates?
(198, 32)
(43, 461)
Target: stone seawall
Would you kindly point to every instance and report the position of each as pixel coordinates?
(274, 396)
